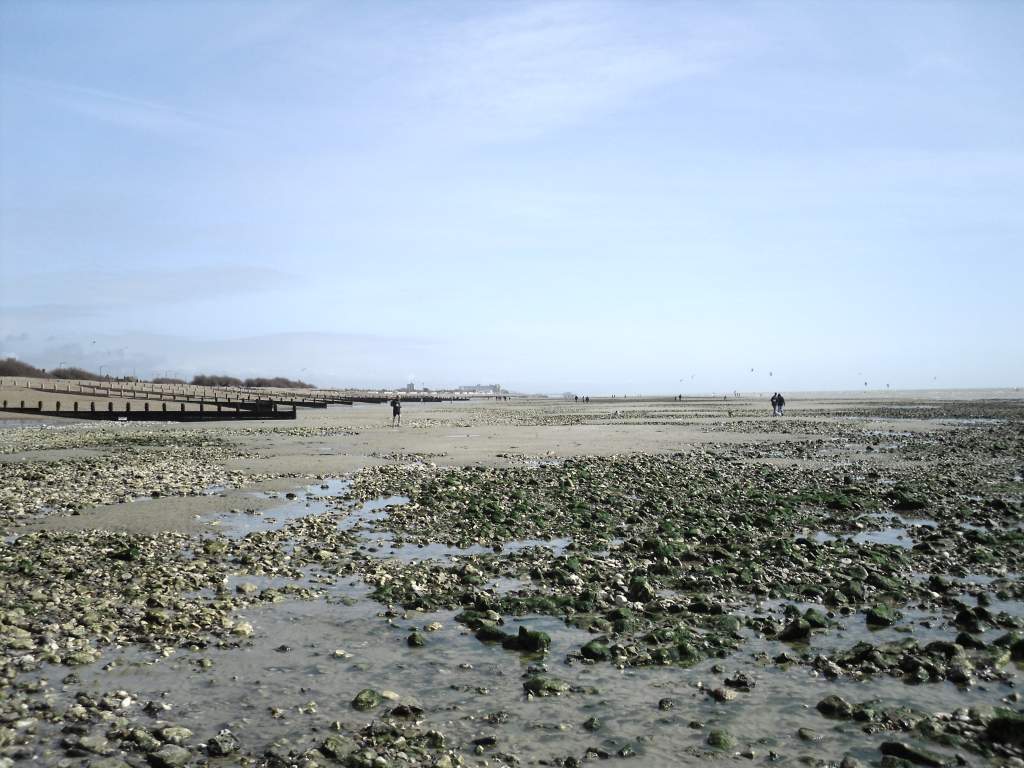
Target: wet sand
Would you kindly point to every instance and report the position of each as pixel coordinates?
(257, 577)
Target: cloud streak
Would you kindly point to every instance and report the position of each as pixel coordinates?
(547, 66)
(89, 291)
(128, 112)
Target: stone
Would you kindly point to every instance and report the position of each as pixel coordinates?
(596, 649)
(416, 640)
(528, 641)
(720, 739)
(881, 616)
(797, 631)
(94, 742)
(338, 747)
(170, 756)
(836, 706)
(223, 744)
(1006, 727)
(175, 734)
(544, 685)
(912, 754)
(367, 699)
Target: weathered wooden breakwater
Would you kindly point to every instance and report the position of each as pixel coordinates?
(202, 413)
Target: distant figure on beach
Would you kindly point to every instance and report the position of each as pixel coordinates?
(775, 404)
(396, 411)
(781, 404)
(577, 398)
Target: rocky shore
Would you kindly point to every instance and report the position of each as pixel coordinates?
(529, 584)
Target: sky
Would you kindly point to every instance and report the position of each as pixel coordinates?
(634, 197)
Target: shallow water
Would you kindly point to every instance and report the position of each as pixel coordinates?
(268, 686)
(307, 659)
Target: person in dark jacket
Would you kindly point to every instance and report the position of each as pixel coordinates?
(781, 404)
(775, 404)
(396, 411)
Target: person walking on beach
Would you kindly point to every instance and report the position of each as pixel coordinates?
(396, 411)
(775, 404)
(781, 404)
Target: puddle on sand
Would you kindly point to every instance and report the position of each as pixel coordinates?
(897, 531)
(310, 500)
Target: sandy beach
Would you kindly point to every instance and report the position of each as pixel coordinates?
(518, 583)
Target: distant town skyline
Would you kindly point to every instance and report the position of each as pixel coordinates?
(561, 196)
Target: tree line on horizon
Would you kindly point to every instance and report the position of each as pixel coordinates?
(16, 368)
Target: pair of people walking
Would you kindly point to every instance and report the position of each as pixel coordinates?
(778, 404)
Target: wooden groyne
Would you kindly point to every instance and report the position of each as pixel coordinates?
(150, 414)
(257, 403)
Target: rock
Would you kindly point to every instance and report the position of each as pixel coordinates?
(881, 616)
(544, 685)
(416, 640)
(528, 641)
(720, 739)
(1006, 727)
(224, 743)
(108, 762)
(338, 747)
(808, 734)
(170, 756)
(94, 742)
(147, 741)
(849, 761)
(367, 699)
(666, 704)
(816, 619)
(596, 649)
(640, 591)
(592, 724)
(175, 734)
(911, 754)
(741, 682)
(723, 694)
(797, 631)
(1017, 649)
(490, 632)
(836, 706)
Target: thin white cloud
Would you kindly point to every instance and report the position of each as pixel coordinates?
(545, 66)
(127, 112)
(87, 290)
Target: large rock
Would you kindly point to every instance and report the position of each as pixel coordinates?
(596, 649)
(720, 739)
(912, 754)
(545, 685)
(1007, 727)
(170, 756)
(881, 616)
(528, 640)
(366, 699)
(338, 747)
(836, 706)
(224, 743)
(797, 631)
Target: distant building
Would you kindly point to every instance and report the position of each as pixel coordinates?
(482, 389)
(410, 387)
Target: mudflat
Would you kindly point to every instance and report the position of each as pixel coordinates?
(520, 582)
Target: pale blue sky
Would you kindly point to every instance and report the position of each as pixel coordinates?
(585, 196)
